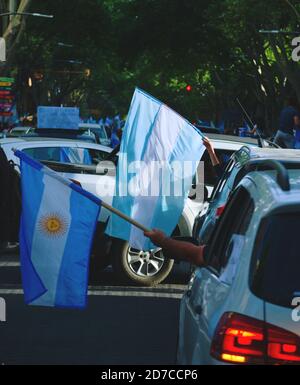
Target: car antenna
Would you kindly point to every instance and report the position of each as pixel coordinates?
(260, 140)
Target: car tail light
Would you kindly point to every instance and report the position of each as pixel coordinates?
(246, 340)
(76, 182)
(220, 210)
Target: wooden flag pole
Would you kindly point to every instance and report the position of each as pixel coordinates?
(125, 217)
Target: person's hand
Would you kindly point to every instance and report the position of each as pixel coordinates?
(207, 143)
(211, 151)
(157, 237)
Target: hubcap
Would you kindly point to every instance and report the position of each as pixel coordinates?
(145, 263)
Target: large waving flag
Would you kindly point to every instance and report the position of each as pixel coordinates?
(156, 141)
(57, 223)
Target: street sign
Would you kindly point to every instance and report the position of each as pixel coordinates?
(7, 80)
(58, 117)
(6, 96)
(5, 92)
(6, 84)
(5, 113)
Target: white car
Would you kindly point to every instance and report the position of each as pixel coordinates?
(240, 164)
(19, 131)
(83, 154)
(78, 160)
(242, 307)
(224, 148)
(99, 130)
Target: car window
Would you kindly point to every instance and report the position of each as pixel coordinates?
(210, 176)
(275, 264)
(220, 185)
(101, 133)
(71, 155)
(234, 222)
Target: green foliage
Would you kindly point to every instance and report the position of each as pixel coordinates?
(161, 46)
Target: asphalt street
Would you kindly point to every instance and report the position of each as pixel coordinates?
(121, 325)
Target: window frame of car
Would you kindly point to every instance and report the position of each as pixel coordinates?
(221, 183)
(217, 258)
(258, 260)
(220, 152)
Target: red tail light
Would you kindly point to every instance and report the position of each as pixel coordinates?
(220, 210)
(243, 339)
(76, 182)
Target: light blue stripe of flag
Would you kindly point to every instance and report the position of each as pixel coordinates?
(57, 228)
(153, 133)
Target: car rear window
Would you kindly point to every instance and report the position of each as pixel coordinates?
(275, 265)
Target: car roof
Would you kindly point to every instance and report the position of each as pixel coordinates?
(272, 153)
(232, 138)
(266, 185)
(34, 139)
(90, 125)
(52, 141)
(220, 144)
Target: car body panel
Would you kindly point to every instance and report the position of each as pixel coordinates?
(208, 298)
(92, 183)
(208, 215)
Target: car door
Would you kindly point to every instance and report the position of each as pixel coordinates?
(212, 284)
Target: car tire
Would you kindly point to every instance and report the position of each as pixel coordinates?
(141, 272)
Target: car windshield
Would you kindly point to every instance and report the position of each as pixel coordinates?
(100, 132)
(276, 262)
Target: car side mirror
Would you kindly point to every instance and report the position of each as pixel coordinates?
(206, 194)
(193, 194)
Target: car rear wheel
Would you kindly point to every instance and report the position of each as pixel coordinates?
(139, 267)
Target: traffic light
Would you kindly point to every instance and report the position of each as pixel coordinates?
(188, 88)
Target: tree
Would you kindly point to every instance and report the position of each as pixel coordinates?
(161, 46)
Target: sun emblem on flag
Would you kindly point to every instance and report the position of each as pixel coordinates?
(53, 225)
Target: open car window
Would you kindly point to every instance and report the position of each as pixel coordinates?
(221, 183)
(210, 175)
(234, 222)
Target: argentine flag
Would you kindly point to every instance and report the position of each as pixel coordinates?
(57, 228)
(159, 155)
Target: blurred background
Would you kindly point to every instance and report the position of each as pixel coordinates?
(197, 56)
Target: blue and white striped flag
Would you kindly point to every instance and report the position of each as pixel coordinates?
(159, 155)
(57, 228)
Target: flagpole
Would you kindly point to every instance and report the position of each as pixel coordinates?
(125, 217)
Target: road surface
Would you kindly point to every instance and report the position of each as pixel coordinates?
(121, 325)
